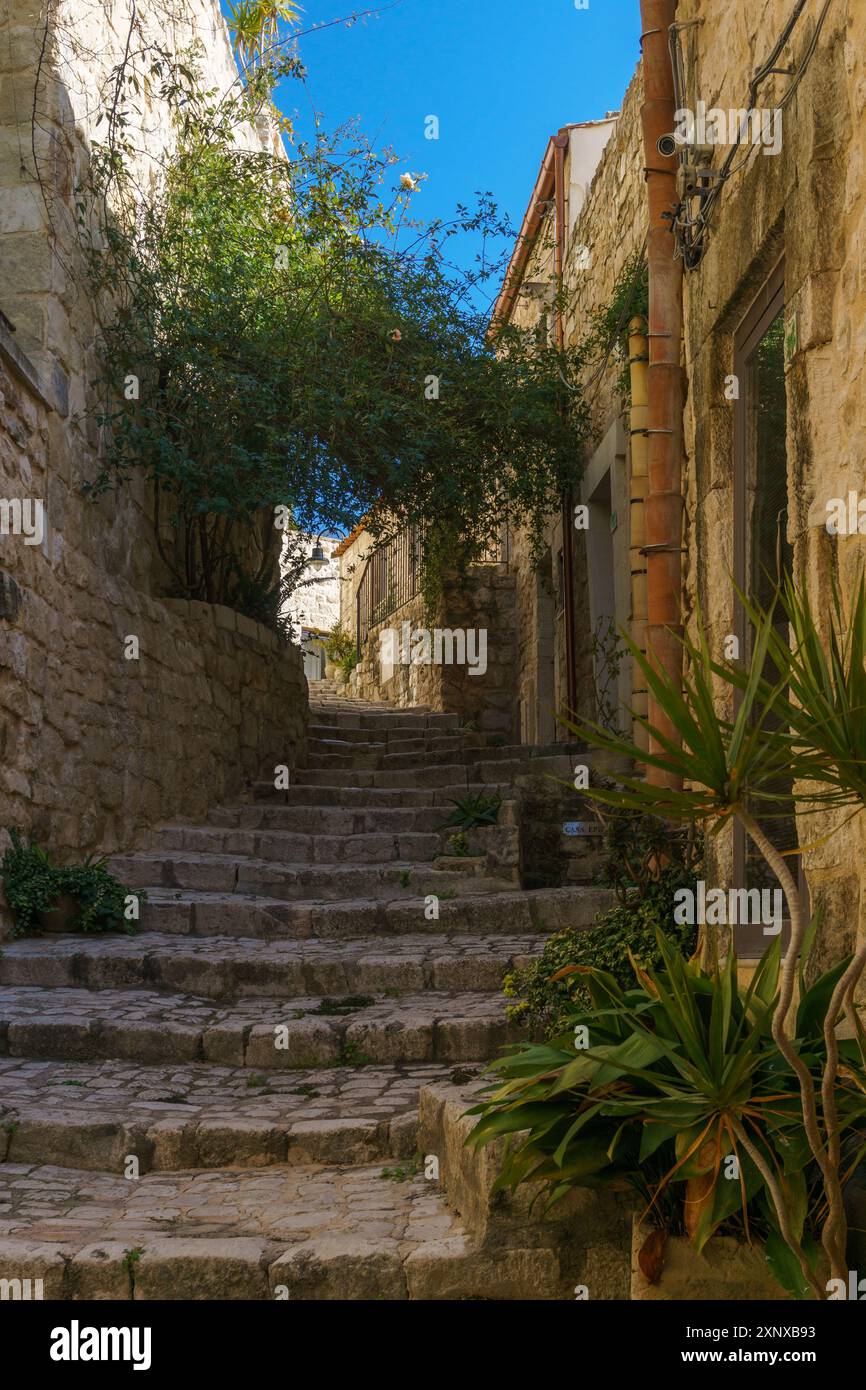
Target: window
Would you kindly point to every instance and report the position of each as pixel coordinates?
(762, 551)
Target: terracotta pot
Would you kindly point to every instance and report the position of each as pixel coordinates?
(725, 1269)
(61, 916)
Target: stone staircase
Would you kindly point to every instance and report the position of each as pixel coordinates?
(225, 1105)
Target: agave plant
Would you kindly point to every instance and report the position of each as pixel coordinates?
(676, 1088)
(476, 808)
(806, 724)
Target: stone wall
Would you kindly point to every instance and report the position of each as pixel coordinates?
(97, 747)
(59, 62)
(808, 204)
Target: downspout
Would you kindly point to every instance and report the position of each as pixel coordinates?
(637, 491)
(664, 501)
(560, 144)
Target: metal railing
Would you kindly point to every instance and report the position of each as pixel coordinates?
(391, 578)
(392, 575)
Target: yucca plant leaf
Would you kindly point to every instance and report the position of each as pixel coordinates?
(813, 1006)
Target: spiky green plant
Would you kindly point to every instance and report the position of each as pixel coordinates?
(254, 26)
(658, 1086)
(806, 724)
(476, 808)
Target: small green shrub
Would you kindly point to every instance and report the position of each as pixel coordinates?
(339, 643)
(474, 809)
(648, 860)
(459, 844)
(340, 647)
(542, 999)
(34, 885)
(658, 1085)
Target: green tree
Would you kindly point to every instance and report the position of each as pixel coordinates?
(300, 341)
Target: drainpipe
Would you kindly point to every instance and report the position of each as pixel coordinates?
(560, 145)
(637, 490)
(664, 501)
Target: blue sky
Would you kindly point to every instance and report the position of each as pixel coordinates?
(501, 75)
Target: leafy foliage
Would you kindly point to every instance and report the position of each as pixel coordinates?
(797, 723)
(254, 26)
(680, 1074)
(34, 885)
(340, 647)
(608, 329)
(647, 861)
(458, 844)
(638, 845)
(548, 988)
(283, 321)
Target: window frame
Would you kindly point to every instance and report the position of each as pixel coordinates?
(762, 311)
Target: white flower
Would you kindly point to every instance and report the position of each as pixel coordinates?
(409, 182)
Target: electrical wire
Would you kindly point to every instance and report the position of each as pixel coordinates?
(692, 248)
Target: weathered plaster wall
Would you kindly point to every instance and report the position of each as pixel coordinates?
(316, 604)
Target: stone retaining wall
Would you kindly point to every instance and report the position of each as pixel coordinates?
(96, 747)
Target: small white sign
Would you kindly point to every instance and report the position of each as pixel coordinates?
(580, 827)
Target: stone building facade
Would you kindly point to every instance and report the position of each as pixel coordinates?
(102, 735)
(603, 231)
(476, 618)
(785, 240)
(789, 225)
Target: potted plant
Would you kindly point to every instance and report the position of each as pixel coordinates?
(49, 897)
(341, 656)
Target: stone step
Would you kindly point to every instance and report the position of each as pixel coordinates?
(334, 739)
(221, 873)
(344, 794)
(326, 740)
(287, 848)
(439, 775)
(435, 774)
(333, 820)
(284, 1233)
(390, 721)
(324, 744)
(225, 968)
(95, 1114)
(146, 1026)
(514, 913)
(359, 758)
(589, 1229)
